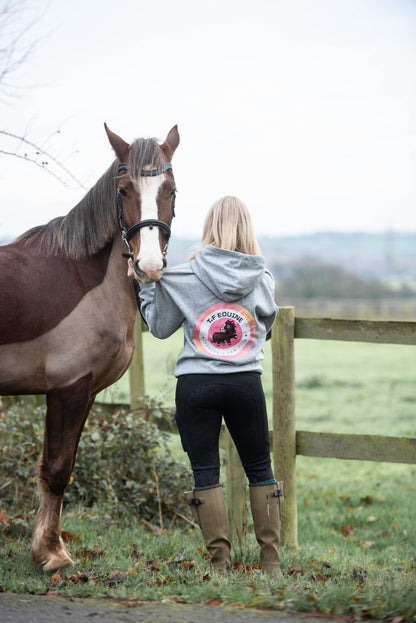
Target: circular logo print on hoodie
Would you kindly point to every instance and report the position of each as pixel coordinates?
(225, 330)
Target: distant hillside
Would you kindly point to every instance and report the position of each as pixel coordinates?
(388, 257)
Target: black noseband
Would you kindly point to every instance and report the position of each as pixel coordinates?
(147, 223)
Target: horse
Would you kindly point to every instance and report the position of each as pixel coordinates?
(68, 309)
(225, 334)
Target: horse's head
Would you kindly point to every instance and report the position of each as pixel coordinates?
(145, 200)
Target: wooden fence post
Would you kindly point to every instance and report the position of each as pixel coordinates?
(136, 370)
(235, 494)
(284, 426)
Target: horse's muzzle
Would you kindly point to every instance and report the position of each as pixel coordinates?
(150, 274)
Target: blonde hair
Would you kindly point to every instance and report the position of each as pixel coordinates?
(228, 225)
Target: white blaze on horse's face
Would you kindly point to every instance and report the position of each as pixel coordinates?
(150, 260)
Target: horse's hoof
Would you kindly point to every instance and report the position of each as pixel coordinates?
(55, 562)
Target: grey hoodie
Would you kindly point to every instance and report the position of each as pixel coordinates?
(225, 300)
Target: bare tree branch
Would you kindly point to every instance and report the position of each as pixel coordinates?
(15, 47)
(40, 158)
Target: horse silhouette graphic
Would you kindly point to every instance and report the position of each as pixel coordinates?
(225, 334)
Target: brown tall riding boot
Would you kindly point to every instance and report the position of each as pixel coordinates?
(266, 502)
(208, 509)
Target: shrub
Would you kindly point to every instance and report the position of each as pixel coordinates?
(123, 461)
(21, 437)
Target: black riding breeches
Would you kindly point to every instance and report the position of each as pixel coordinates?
(202, 400)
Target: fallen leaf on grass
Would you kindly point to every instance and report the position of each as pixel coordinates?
(203, 553)
(294, 569)
(70, 538)
(151, 565)
(163, 581)
(78, 578)
(238, 566)
(187, 564)
(321, 579)
(359, 574)
(371, 518)
(214, 602)
(136, 553)
(56, 579)
(90, 554)
(367, 500)
(347, 530)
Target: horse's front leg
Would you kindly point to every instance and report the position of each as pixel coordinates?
(67, 410)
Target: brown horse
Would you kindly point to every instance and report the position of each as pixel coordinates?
(225, 334)
(68, 309)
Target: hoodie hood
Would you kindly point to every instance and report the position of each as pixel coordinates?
(228, 274)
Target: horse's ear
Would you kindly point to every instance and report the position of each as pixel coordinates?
(171, 142)
(121, 148)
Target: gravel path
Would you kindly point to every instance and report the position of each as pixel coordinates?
(16, 608)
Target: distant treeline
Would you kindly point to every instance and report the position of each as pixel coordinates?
(314, 279)
(388, 257)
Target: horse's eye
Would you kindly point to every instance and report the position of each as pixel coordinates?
(123, 192)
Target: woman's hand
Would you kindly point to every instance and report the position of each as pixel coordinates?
(130, 269)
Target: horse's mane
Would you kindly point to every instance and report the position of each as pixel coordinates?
(93, 221)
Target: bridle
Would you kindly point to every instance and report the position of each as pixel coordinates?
(128, 232)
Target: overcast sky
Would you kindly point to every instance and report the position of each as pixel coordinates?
(306, 109)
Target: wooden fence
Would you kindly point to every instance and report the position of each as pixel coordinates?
(290, 442)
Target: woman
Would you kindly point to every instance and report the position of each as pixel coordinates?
(224, 298)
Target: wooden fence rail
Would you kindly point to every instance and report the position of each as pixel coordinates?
(287, 442)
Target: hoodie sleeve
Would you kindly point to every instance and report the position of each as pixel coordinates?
(267, 309)
(159, 310)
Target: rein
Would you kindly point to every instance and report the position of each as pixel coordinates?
(128, 232)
